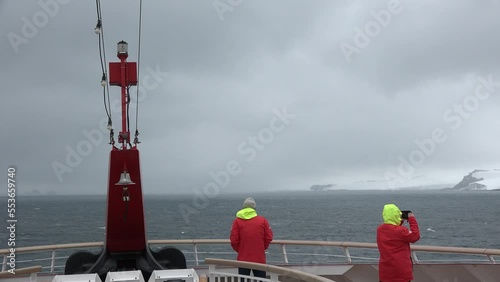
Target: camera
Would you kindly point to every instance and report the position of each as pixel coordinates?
(404, 214)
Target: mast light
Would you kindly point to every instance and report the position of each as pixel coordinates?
(122, 48)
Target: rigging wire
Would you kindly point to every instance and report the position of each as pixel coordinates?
(128, 107)
(99, 23)
(105, 107)
(103, 61)
(136, 140)
(104, 68)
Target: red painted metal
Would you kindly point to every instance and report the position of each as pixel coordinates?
(125, 227)
(115, 76)
(125, 245)
(132, 73)
(124, 134)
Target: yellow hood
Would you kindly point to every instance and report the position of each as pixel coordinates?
(246, 213)
(391, 214)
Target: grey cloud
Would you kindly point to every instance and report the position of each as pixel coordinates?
(353, 120)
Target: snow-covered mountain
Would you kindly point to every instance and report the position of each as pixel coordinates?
(479, 180)
(410, 184)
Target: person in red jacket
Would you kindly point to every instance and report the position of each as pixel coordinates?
(250, 237)
(393, 241)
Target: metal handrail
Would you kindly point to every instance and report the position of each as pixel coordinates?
(489, 253)
(21, 271)
(418, 248)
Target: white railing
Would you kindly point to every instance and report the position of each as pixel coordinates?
(274, 272)
(324, 256)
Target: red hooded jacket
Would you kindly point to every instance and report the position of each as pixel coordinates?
(250, 236)
(393, 242)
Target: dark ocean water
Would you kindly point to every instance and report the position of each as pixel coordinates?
(467, 219)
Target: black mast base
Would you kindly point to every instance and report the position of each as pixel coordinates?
(146, 261)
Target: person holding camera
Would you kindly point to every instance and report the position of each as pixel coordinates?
(393, 241)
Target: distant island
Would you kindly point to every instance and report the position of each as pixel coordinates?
(325, 187)
(479, 180)
(476, 180)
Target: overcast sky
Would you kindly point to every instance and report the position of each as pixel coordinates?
(281, 94)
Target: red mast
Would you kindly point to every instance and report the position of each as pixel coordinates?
(125, 227)
(125, 246)
(122, 55)
(123, 74)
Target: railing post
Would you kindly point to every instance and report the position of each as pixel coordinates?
(4, 263)
(285, 256)
(347, 255)
(414, 256)
(53, 262)
(196, 255)
(273, 276)
(211, 270)
(492, 259)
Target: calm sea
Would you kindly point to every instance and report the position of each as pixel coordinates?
(465, 219)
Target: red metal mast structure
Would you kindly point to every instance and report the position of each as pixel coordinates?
(123, 74)
(125, 205)
(125, 246)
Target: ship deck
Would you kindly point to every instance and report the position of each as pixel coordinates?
(288, 260)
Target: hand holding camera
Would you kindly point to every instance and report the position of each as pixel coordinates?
(406, 214)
